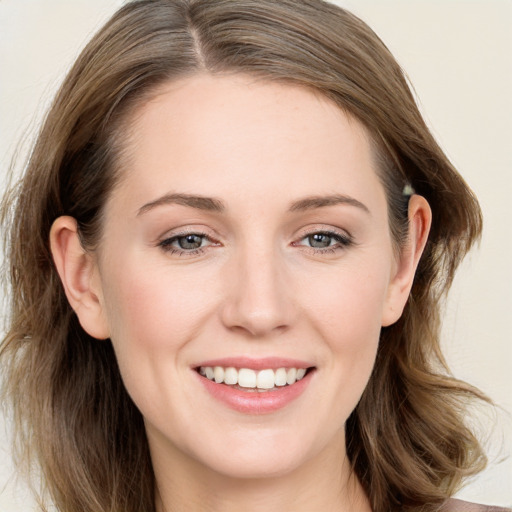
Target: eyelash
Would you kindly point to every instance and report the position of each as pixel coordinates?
(343, 241)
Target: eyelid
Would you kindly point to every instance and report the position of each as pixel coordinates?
(187, 229)
(323, 228)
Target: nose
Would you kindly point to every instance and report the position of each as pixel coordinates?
(258, 300)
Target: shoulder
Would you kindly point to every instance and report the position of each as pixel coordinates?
(465, 506)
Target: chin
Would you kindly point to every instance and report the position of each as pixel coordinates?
(265, 454)
(256, 467)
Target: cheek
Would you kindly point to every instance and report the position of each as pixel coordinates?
(152, 307)
(347, 314)
(152, 314)
(351, 302)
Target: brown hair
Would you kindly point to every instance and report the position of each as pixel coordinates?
(406, 440)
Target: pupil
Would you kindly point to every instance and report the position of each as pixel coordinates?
(190, 242)
(320, 240)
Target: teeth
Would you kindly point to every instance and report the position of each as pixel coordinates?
(218, 374)
(291, 375)
(247, 378)
(281, 377)
(265, 379)
(230, 376)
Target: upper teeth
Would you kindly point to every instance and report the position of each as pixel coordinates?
(247, 378)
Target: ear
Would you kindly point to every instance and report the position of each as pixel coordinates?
(420, 218)
(79, 275)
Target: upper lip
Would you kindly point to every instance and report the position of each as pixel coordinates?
(255, 363)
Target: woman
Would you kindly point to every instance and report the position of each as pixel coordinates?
(228, 254)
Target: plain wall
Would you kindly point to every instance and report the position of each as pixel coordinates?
(458, 55)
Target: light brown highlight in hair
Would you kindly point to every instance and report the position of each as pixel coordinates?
(406, 440)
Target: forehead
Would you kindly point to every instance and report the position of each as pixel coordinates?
(210, 135)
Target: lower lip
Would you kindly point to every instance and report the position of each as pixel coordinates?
(255, 402)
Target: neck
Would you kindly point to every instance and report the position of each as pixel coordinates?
(324, 483)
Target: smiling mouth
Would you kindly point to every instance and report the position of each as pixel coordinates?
(249, 380)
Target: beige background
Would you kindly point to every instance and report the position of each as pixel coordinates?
(458, 54)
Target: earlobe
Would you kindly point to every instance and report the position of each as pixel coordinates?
(420, 218)
(79, 276)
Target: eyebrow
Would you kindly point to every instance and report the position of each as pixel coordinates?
(310, 203)
(216, 205)
(193, 201)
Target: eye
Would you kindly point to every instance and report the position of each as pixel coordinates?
(322, 241)
(186, 243)
(189, 242)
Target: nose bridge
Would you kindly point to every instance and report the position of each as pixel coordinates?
(257, 301)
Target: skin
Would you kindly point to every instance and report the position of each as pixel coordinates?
(256, 288)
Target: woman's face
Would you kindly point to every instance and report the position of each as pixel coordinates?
(249, 232)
